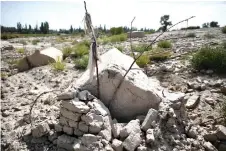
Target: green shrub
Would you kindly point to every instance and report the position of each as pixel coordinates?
(81, 48)
(164, 44)
(191, 35)
(141, 48)
(67, 51)
(82, 63)
(209, 36)
(116, 30)
(159, 54)
(20, 50)
(143, 60)
(210, 58)
(120, 48)
(114, 38)
(34, 42)
(223, 29)
(58, 65)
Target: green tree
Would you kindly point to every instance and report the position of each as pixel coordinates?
(19, 27)
(164, 22)
(214, 24)
(71, 29)
(29, 29)
(205, 25)
(36, 29)
(42, 28)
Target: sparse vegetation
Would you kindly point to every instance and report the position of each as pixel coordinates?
(210, 58)
(143, 60)
(23, 42)
(58, 65)
(4, 75)
(67, 51)
(20, 50)
(164, 44)
(114, 38)
(191, 35)
(209, 36)
(141, 48)
(34, 42)
(159, 54)
(82, 63)
(224, 44)
(223, 29)
(120, 48)
(81, 48)
(223, 111)
(116, 30)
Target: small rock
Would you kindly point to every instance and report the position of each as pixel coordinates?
(106, 134)
(85, 96)
(192, 101)
(192, 133)
(58, 127)
(77, 132)
(83, 127)
(211, 137)
(209, 147)
(149, 119)
(88, 139)
(63, 121)
(70, 115)
(132, 141)
(142, 148)
(76, 106)
(73, 124)
(93, 120)
(68, 130)
(210, 101)
(67, 142)
(150, 136)
(117, 145)
(209, 72)
(99, 108)
(221, 132)
(93, 129)
(116, 128)
(40, 130)
(67, 96)
(52, 136)
(133, 125)
(108, 148)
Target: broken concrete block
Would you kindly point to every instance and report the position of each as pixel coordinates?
(132, 141)
(116, 128)
(40, 130)
(75, 106)
(70, 115)
(68, 130)
(40, 58)
(83, 127)
(149, 119)
(67, 142)
(117, 145)
(133, 125)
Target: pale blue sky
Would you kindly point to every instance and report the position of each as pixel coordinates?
(62, 14)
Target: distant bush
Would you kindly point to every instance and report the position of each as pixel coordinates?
(164, 44)
(159, 54)
(210, 58)
(141, 48)
(116, 30)
(114, 38)
(191, 35)
(58, 65)
(20, 50)
(191, 27)
(81, 48)
(82, 63)
(34, 42)
(120, 48)
(209, 36)
(9, 36)
(67, 51)
(223, 29)
(142, 61)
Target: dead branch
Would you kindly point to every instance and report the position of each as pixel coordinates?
(146, 48)
(94, 46)
(35, 101)
(131, 46)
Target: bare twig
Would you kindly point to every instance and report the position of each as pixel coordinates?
(120, 83)
(131, 46)
(35, 101)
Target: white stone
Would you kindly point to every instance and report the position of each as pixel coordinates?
(75, 106)
(221, 132)
(150, 136)
(192, 101)
(149, 119)
(67, 142)
(70, 115)
(88, 139)
(141, 148)
(116, 128)
(117, 145)
(93, 120)
(209, 147)
(133, 125)
(132, 141)
(106, 134)
(40, 130)
(99, 108)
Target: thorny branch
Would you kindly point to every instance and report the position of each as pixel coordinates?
(131, 46)
(146, 48)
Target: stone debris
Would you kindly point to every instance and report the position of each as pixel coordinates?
(40, 130)
(192, 101)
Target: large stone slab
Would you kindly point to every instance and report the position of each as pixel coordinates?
(137, 94)
(136, 34)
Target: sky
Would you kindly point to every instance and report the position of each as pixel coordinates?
(112, 13)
